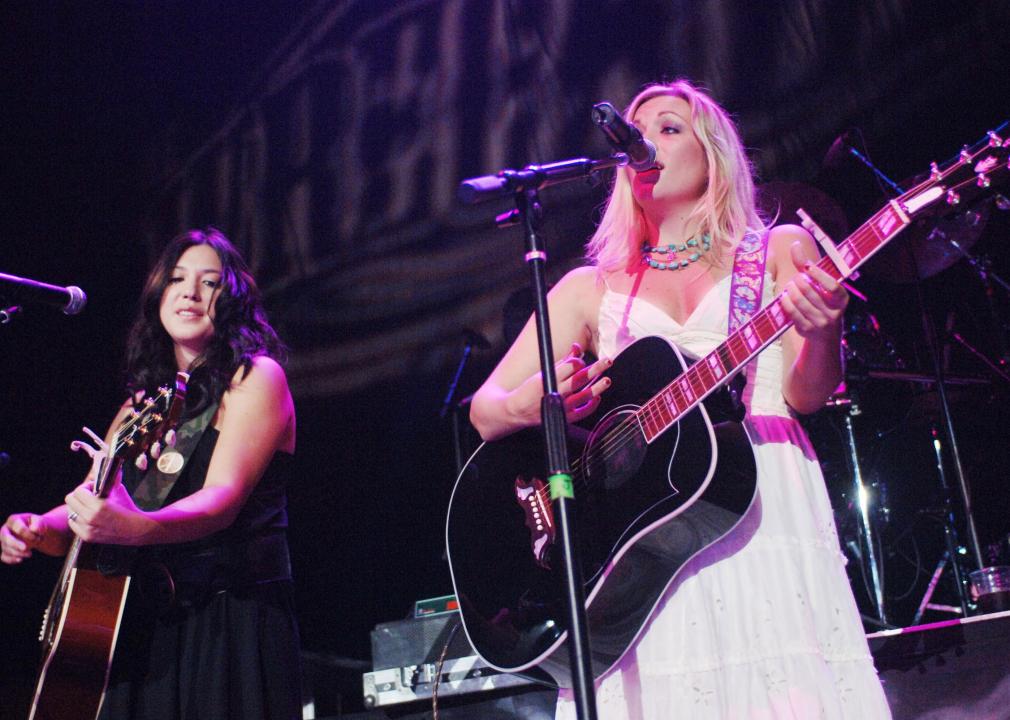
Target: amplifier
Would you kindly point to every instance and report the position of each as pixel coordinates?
(418, 641)
(416, 682)
(405, 657)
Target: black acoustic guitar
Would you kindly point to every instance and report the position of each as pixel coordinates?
(661, 471)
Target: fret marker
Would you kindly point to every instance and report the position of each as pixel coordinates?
(886, 222)
(717, 371)
(750, 338)
(777, 314)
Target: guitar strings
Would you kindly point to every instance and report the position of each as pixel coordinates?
(126, 429)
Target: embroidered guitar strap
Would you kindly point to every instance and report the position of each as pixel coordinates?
(159, 480)
(748, 279)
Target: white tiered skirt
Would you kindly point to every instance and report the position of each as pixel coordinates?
(762, 625)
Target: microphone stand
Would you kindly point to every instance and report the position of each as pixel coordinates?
(471, 340)
(524, 186)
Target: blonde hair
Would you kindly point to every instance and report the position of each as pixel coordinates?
(727, 210)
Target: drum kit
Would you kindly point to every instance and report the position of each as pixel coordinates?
(892, 438)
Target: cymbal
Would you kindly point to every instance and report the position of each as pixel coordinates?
(931, 244)
(785, 198)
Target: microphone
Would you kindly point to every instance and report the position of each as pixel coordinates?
(69, 299)
(624, 137)
(840, 148)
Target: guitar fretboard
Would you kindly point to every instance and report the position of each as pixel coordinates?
(710, 372)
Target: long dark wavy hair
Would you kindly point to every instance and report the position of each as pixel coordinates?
(241, 329)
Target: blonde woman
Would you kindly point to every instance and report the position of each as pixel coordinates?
(761, 624)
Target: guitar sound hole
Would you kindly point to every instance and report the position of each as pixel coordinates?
(615, 451)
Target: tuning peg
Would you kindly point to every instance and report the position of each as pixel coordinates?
(994, 139)
(141, 462)
(170, 438)
(155, 450)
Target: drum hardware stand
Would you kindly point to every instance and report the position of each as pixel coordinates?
(861, 494)
(955, 455)
(953, 552)
(925, 603)
(862, 501)
(933, 344)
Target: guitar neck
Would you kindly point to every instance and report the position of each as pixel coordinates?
(712, 371)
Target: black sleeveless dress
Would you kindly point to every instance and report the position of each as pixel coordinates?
(220, 640)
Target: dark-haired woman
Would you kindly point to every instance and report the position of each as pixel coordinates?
(220, 639)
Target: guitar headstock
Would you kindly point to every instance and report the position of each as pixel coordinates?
(147, 425)
(969, 176)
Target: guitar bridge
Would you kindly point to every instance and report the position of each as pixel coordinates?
(534, 499)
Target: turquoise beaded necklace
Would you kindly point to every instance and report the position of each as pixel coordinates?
(697, 248)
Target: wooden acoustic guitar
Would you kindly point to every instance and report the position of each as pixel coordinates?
(82, 620)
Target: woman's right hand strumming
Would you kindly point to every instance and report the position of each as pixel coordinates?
(509, 399)
(23, 533)
(577, 385)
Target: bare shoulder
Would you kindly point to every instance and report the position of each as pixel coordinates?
(781, 237)
(780, 241)
(576, 297)
(259, 401)
(583, 284)
(265, 377)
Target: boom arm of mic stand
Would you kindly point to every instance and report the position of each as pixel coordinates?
(509, 183)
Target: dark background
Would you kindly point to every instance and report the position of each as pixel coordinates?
(105, 106)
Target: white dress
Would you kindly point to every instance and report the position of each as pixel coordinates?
(763, 624)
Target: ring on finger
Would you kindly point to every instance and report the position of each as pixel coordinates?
(71, 516)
